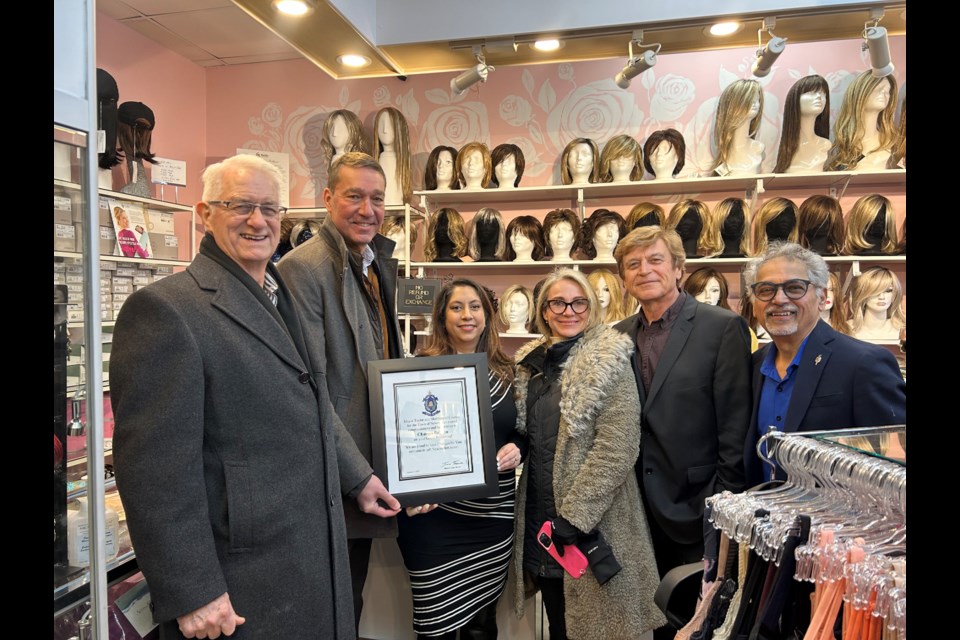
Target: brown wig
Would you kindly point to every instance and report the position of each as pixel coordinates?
(790, 135)
(529, 227)
(820, 225)
(589, 228)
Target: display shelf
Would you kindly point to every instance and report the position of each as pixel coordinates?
(66, 184)
(153, 203)
(678, 186)
(612, 264)
(837, 179)
(75, 255)
(522, 336)
(78, 577)
(520, 194)
(79, 325)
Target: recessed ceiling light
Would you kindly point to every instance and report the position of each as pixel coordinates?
(353, 60)
(724, 28)
(546, 45)
(293, 7)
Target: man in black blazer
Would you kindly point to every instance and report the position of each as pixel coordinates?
(224, 444)
(692, 368)
(811, 377)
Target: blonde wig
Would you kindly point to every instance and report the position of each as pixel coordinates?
(589, 228)
(820, 225)
(644, 214)
(392, 224)
(401, 145)
(899, 150)
(790, 134)
(705, 245)
(622, 146)
(616, 310)
(565, 176)
(356, 140)
(782, 214)
(731, 221)
(465, 151)
(492, 220)
(697, 281)
(594, 313)
(847, 149)
(872, 282)
(862, 216)
(552, 219)
(732, 112)
(455, 231)
(838, 314)
(508, 293)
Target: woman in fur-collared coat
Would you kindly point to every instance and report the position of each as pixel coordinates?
(577, 402)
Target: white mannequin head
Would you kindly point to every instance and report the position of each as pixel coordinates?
(605, 239)
(620, 168)
(754, 109)
(561, 240)
(522, 246)
(880, 302)
(663, 160)
(506, 172)
(385, 132)
(603, 293)
(444, 170)
(339, 134)
(812, 103)
(879, 97)
(710, 293)
(517, 308)
(473, 169)
(580, 162)
(400, 238)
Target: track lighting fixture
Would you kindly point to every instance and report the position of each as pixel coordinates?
(875, 39)
(767, 55)
(637, 65)
(472, 75)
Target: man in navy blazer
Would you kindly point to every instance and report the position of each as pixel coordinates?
(811, 377)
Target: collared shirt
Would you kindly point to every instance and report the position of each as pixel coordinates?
(652, 338)
(366, 258)
(369, 279)
(775, 395)
(270, 287)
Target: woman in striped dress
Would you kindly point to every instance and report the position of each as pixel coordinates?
(457, 554)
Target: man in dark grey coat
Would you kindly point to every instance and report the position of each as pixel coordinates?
(344, 282)
(224, 444)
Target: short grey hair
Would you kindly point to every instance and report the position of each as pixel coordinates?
(595, 313)
(212, 176)
(352, 160)
(817, 271)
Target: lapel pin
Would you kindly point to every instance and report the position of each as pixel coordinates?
(817, 360)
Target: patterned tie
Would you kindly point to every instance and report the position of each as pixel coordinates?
(270, 287)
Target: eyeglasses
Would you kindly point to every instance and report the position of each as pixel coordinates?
(793, 289)
(558, 306)
(243, 209)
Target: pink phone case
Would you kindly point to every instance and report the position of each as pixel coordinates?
(573, 561)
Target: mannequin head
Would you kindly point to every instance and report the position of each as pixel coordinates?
(871, 226)
(689, 218)
(392, 228)
(860, 112)
(438, 173)
(664, 153)
(732, 222)
(600, 233)
(645, 214)
(108, 95)
(446, 238)
(516, 308)
(609, 294)
(508, 165)
(833, 311)
(134, 131)
(473, 166)
(877, 292)
(621, 160)
(561, 228)
(390, 132)
(740, 103)
(487, 240)
(820, 225)
(709, 286)
(342, 132)
(524, 236)
(775, 222)
(579, 162)
(809, 97)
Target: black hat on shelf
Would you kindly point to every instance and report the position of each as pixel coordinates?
(132, 112)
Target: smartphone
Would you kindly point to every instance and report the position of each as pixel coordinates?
(573, 561)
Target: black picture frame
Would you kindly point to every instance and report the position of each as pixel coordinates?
(438, 444)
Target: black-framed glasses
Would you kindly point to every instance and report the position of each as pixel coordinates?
(558, 306)
(793, 289)
(243, 209)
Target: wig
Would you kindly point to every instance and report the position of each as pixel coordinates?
(898, 153)
(790, 134)
(135, 130)
(902, 245)
(503, 151)
(622, 146)
(645, 214)
(820, 225)
(565, 176)
(705, 246)
(108, 95)
(555, 217)
(356, 140)
(675, 138)
(776, 221)
(486, 229)
(455, 232)
(730, 223)
(697, 281)
(430, 171)
(847, 150)
(465, 151)
(863, 225)
(508, 293)
(732, 112)
(529, 227)
(838, 315)
(589, 228)
(401, 145)
(615, 310)
(438, 343)
(391, 224)
(873, 282)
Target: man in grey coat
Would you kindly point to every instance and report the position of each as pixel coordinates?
(344, 282)
(224, 444)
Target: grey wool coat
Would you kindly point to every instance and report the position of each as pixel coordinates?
(340, 342)
(225, 460)
(595, 487)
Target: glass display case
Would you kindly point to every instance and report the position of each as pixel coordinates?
(889, 443)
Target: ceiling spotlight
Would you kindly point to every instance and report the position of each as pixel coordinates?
(637, 65)
(767, 55)
(546, 45)
(472, 75)
(724, 28)
(293, 7)
(353, 60)
(875, 39)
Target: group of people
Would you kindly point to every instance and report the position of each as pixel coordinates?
(242, 440)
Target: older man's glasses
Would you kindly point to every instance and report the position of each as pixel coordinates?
(242, 209)
(558, 306)
(793, 289)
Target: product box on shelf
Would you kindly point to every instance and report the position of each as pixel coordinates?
(108, 265)
(165, 246)
(108, 240)
(64, 237)
(125, 272)
(62, 209)
(160, 222)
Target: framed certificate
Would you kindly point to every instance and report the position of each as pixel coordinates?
(432, 428)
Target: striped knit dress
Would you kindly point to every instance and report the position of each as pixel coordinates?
(457, 555)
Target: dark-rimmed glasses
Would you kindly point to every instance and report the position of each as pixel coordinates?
(558, 306)
(793, 289)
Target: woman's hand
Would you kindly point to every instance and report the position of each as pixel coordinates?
(508, 457)
(424, 508)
